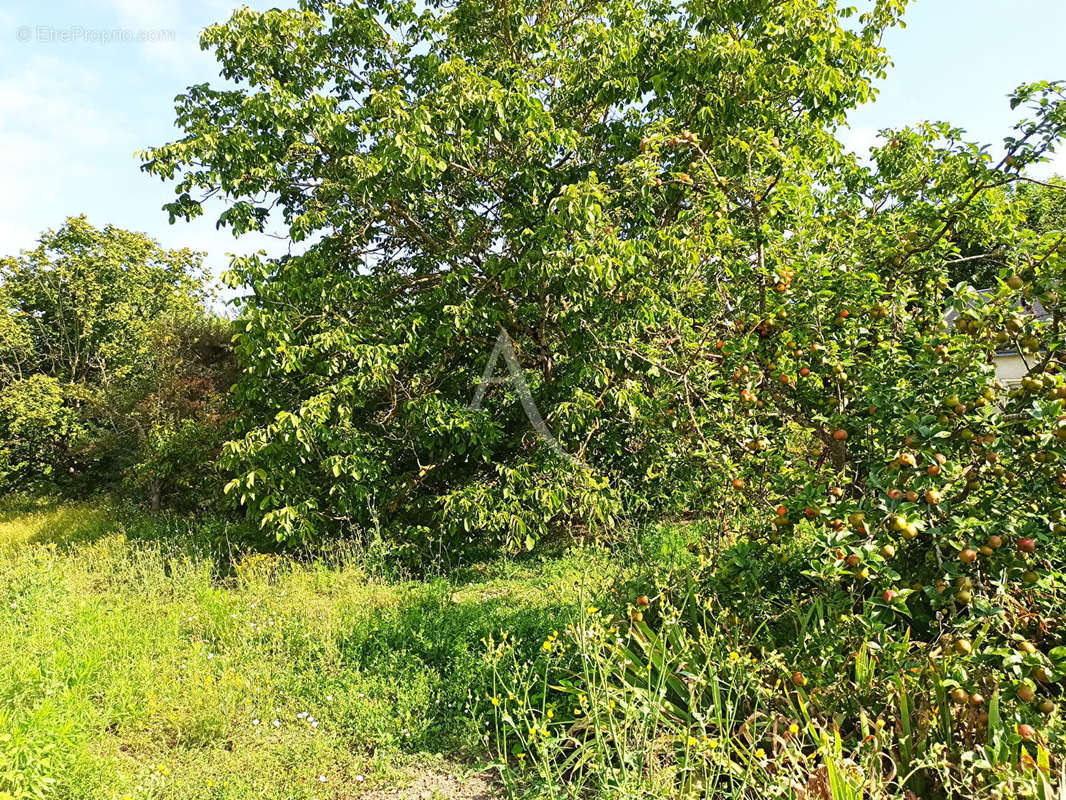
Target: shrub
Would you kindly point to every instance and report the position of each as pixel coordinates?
(109, 364)
(698, 701)
(39, 430)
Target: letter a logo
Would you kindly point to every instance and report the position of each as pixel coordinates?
(504, 348)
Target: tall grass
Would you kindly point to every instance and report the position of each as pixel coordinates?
(678, 705)
(134, 663)
(148, 658)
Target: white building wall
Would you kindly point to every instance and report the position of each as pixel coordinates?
(1010, 368)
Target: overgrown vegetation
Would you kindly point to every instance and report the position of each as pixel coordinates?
(724, 319)
(138, 660)
(112, 369)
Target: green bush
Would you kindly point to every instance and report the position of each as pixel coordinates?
(39, 431)
(650, 699)
(110, 367)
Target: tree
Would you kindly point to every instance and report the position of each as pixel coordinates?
(183, 419)
(479, 167)
(718, 311)
(37, 427)
(984, 250)
(96, 322)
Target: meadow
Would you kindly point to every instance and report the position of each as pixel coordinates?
(154, 657)
(611, 429)
(141, 658)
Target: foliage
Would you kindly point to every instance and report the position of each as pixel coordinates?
(985, 249)
(38, 428)
(87, 299)
(184, 418)
(108, 362)
(648, 699)
(1044, 205)
(472, 167)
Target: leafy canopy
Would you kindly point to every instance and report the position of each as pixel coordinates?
(96, 326)
(471, 166)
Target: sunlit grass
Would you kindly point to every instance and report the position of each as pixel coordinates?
(29, 521)
(138, 667)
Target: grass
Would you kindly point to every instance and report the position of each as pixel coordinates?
(141, 658)
(135, 663)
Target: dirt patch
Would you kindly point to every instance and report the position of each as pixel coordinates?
(433, 785)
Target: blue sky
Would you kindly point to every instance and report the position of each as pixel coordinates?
(74, 108)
